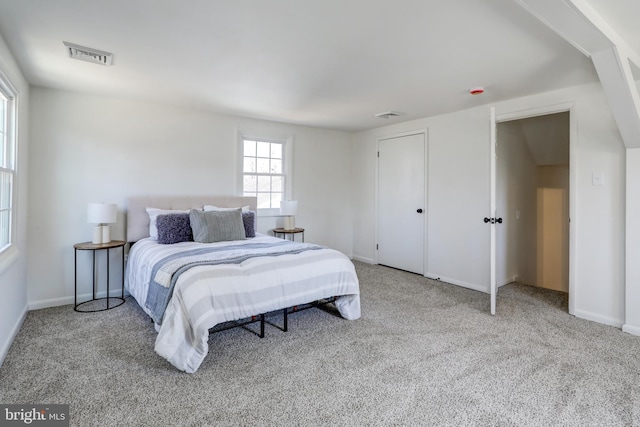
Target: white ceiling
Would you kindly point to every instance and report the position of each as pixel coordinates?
(325, 63)
(622, 16)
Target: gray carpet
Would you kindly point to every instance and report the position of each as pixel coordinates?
(423, 353)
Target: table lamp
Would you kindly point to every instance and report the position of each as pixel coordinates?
(102, 214)
(289, 209)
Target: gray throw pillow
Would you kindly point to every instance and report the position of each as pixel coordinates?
(216, 226)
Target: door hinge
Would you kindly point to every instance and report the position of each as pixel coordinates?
(376, 246)
(378, 154)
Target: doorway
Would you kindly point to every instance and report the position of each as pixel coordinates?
(533, 199)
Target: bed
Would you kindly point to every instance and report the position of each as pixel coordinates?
(189, 287)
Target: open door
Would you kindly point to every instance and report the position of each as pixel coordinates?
(492, 220)
(533, 176)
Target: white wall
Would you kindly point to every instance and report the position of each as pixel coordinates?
(87, 148)
(457, 194)
(632, 320)
(459, 197)
(13, 275)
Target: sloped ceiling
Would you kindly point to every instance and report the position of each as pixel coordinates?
(622, 16)
(330, 63)
(548, 138)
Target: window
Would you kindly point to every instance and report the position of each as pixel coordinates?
(265, 171)
(7, 161)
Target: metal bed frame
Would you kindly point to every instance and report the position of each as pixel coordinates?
(242, 323)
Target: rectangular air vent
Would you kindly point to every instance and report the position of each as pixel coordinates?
(388, 114)
(88, 54)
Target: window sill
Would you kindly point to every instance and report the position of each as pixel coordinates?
(7, 257)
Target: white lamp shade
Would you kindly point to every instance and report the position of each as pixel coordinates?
(288, 208)
(102, 213)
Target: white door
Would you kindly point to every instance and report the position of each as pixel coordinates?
(401, 202)
(493, 218)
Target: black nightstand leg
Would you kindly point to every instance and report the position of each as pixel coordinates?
(94, 274)
(122, 273)
(108, 294)
(75, 278)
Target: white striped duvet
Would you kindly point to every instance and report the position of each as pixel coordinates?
(205, 296)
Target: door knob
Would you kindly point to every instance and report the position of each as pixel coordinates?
(419, 211)
(493, 220)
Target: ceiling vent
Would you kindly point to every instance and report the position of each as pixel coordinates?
(388, 114)
(88, 54)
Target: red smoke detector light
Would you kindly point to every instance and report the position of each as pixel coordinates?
(476, 91)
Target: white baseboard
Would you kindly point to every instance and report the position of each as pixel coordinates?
(631, 329)
(507, 280)
(598, 318)
(467, 285)
(503, 282)
(363, 259)
(55, 302)
(12, 336)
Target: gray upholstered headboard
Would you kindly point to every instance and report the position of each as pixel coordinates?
(138, 220)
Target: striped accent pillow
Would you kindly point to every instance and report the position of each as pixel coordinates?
(216, 226)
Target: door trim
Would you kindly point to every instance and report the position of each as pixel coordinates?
(425, 133)
(569, 107)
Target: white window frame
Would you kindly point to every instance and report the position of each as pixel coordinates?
(8, 252)
(287, 164)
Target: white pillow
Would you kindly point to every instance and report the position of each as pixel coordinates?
(153, 216)
(215, 208)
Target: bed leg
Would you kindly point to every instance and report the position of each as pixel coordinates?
(285, 319)
(261, 326)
